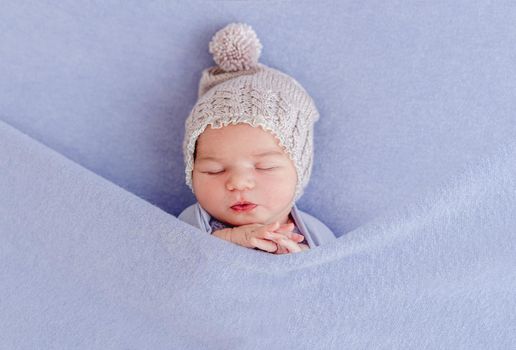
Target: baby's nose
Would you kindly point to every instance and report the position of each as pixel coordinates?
(240, 181)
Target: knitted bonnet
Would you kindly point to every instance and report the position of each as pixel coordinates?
(242, 90)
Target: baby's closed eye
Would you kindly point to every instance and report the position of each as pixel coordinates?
(213, 172)
(261, 168)
(270, 168)
(267, 166)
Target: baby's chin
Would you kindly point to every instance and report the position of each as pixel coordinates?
(242, 220)
(249, 219)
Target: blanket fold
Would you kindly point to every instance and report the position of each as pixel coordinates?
(85, 264)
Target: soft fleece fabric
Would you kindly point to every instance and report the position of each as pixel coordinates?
(315, 232)
(86, 265)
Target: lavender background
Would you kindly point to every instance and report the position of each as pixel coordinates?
(410, 94)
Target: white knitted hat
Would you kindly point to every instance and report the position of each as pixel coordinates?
(241, 90)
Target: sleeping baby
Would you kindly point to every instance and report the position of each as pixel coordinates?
(248, 150)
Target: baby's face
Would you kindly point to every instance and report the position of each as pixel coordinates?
(242, 163)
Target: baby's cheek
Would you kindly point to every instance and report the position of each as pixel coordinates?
(280, 189)
(206, 190)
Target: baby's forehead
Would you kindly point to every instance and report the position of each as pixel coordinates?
(239, 138)
(264, 154)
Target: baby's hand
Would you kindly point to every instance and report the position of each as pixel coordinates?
(263, 237)
(286, 240)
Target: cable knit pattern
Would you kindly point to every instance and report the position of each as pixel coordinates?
(261, 97)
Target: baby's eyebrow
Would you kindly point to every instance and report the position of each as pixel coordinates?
(257, 155)
(269, 153)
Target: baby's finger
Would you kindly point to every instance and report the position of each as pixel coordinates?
(275, 224)
(299, 238)
(281, 250)
(287, 227)
(291, 235)
(280, 240)
(292, 246)
(276, 227)
(270, 227)
(275, 236)
(304, 247)
(264, 245)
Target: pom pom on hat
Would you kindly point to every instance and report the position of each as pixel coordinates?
(235, 47)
